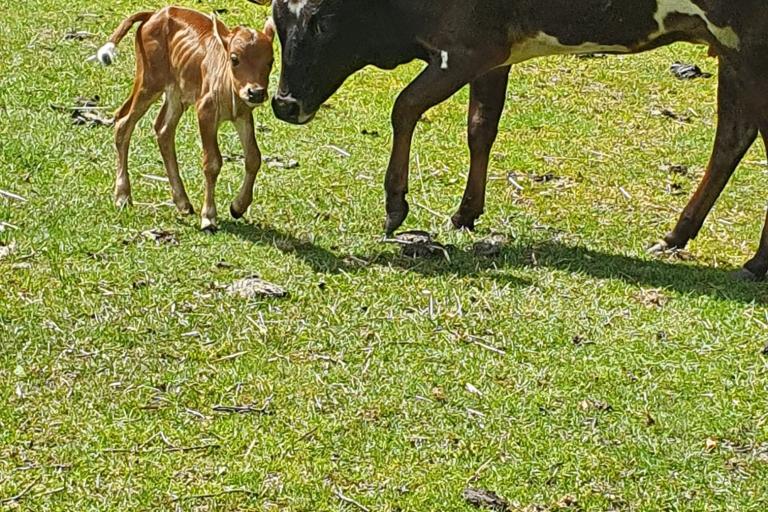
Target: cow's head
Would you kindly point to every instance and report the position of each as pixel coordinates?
(324, 42)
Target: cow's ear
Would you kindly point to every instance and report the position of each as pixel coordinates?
(269, 28)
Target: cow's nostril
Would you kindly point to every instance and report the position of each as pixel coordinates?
(286, 108)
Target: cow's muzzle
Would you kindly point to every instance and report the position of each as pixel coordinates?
(289, 109)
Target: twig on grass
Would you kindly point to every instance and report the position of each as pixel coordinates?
(214, 495)
(473, 478)
(244, 409)
(338, 150)
(49, 492)
(24, 492)
(11, 195)
(477, 341)
(230, 356)
(437, 214)
(350, 501)
(137, 451)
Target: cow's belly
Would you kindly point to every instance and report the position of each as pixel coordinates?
(612, 38)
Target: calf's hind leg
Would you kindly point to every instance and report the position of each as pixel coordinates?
(736, 132)
(165, 128)
(130, 113)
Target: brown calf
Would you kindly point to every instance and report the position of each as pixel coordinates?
(193, 59)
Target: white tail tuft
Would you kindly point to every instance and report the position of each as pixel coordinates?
(106, 54)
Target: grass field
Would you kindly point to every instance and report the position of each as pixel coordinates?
(570, 372)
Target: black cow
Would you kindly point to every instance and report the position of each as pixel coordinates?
(476, 41)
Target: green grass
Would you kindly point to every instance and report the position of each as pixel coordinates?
(114, 348)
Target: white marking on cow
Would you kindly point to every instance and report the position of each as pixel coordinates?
(444, 59)
(726, 35)
(296, 6)
(544, 44)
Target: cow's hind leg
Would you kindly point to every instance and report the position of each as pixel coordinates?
(165, 128)
(487, 95)
(756, 268)
(125, 121)
(736, 132)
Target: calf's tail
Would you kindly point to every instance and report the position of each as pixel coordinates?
(107, 53)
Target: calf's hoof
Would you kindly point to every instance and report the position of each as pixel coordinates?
(209, 225)
(123, 201)
(234, 212)
(185, 208)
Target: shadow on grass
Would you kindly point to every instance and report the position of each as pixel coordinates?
(320, 259)
(678, 276)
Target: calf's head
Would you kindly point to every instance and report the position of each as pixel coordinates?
(250, 57)
(323, 42)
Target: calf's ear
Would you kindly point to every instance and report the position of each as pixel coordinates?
(224, 41)
(269, 28)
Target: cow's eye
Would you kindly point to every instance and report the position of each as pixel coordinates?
(235, 59)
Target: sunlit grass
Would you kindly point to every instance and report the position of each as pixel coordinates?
(115, 349)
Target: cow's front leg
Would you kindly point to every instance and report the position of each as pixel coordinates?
(244, 198)
(487, 95)
(440, 80)
(212, 163)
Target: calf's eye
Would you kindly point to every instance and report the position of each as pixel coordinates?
(235, 59)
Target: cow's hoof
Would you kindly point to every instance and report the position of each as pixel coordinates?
(746, 275)
(234, 212)
(463, 222)
(658, 248)
(394, 220)
(209, 225)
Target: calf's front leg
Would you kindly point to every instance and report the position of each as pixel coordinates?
(245, 132)
(442, 78)
(212, 162)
